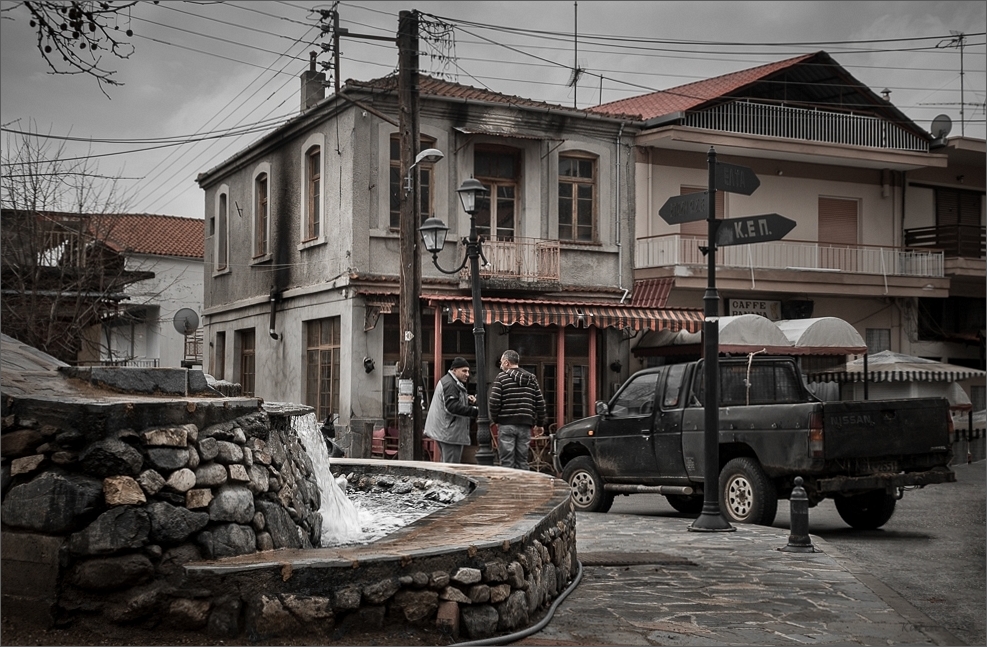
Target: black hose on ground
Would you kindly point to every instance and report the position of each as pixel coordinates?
(533, 629)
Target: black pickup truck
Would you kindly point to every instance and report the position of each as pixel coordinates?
(649, 438)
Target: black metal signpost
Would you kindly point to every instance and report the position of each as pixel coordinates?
(721, 233)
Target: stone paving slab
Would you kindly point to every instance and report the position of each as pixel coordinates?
(739, 590)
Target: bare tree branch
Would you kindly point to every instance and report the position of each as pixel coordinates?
(72, 37)
(62, 274)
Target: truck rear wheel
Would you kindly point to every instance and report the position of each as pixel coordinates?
(746, 493)
(685, 504)
(586, 486)
(867, 511)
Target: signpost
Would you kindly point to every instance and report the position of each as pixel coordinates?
(753, 229)
(721, 233)
(684, 208)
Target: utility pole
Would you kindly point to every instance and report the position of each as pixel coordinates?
(410, 369)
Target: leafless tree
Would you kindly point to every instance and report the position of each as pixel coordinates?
(61, 273)
(73, 36)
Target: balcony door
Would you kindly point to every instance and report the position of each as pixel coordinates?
(499, 170)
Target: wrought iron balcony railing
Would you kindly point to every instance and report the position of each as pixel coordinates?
(531, 260)
(676, 249)
(955, 241)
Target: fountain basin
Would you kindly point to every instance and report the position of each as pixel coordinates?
(486, 564)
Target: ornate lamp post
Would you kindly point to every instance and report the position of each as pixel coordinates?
(434, 233)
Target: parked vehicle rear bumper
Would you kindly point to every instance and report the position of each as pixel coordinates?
(839, 484)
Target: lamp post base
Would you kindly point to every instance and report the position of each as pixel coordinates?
(711, 520)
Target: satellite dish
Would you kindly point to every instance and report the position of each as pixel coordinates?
(186, 321)
(941, 126)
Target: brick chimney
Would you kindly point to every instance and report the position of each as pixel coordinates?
(313, 84)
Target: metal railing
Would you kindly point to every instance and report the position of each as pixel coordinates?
(963, 241)
(808, 124)
(521, 259)
(676, 249)
(133, 362)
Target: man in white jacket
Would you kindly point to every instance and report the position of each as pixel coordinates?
(452, 409)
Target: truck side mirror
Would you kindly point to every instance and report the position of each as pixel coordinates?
(602, 409)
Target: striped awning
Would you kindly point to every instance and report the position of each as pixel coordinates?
(566, 313)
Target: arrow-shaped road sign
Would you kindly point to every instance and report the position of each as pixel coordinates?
(685, 208)
(735, 179)
(753, 229)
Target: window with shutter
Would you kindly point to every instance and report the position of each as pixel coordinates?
(837, 232)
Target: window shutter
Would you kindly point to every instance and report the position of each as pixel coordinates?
(837, 221)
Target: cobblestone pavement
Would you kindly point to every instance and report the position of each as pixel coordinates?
(650, 581)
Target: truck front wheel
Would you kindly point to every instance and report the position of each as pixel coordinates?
(586, 486)
(867, 511)
(746, 493)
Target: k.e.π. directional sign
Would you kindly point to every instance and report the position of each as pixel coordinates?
(685, 208)
(735, 179)
(753, 229)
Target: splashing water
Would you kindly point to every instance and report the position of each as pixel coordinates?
(378, 511)
(340, 517)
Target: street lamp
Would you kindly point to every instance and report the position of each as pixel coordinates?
(429, 156)
(434, 233)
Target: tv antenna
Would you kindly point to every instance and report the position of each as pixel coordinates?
(958, 39)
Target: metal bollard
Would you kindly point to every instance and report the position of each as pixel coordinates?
(798, 540)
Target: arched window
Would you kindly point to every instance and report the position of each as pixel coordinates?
(499, 170)
(261, 216)
(577, 198)
(222, 232)
(313, 193)
(397, 182)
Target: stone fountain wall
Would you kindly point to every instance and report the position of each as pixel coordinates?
(200, 514)
(101, 511)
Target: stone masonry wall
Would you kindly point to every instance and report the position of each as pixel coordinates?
(106, 518)
(105, 525)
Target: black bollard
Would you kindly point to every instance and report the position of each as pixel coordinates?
(798, 539)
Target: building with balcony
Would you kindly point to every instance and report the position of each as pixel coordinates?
(108, 286)
(889, 228)
(302, 254)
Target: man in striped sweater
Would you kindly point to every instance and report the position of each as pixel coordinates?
(516, 405)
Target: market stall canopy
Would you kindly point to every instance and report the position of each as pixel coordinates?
(752, 333)
(822, 336)
(887, 366)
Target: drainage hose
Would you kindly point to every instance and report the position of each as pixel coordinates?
(533, 629)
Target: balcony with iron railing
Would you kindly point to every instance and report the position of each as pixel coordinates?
(806, 124)
(520, 263)
(677, 249)
(955, 241)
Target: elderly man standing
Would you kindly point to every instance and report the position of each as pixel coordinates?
(516, 405)
(452, 409)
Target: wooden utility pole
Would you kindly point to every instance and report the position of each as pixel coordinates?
(410, 369)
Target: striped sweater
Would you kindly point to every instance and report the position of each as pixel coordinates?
(515, 399)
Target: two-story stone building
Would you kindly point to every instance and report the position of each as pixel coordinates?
(303, 248)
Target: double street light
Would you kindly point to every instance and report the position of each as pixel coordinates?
(433, 233)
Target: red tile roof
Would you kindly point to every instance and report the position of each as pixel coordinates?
(433, 87)
(143, 233)
(690, 95)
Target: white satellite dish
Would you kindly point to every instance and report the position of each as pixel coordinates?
(941, 126)
(186, 321)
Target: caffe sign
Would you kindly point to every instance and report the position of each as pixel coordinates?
(769, 309)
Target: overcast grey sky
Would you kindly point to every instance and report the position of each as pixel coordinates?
(202, 67)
